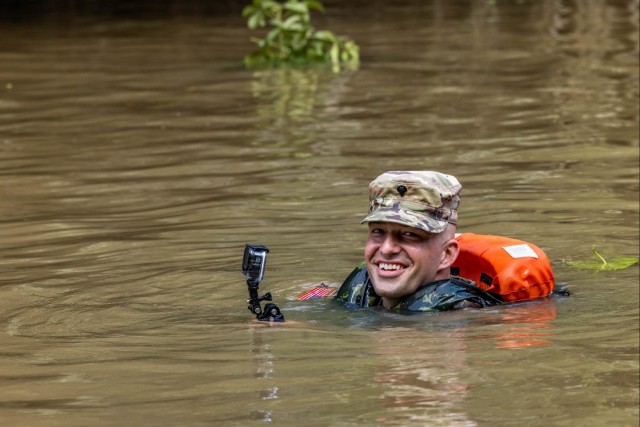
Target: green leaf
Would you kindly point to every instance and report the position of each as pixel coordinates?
(326, 36)
(270, 4)
(315, 5)
(256, 21)
(296, 27)
(271, 8)
(271, 36)
(296, 7)
(600, 263)
(335, 58)
(351, 52)
(292, 23)
(621, 263)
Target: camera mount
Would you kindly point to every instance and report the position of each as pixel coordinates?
(253, 267)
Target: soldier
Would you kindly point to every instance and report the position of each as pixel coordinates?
(411, 245)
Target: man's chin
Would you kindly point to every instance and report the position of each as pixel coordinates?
(386, 288)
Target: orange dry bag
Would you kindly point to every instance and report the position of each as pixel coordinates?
(512, 269)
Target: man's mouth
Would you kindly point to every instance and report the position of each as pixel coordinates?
(387, 266)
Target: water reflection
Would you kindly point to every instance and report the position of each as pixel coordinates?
(423, 377)
(426, 364)
(527, 325)
(265, 365)
(286, 96)
(289, 103)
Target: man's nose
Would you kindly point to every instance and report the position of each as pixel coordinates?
(390, 245)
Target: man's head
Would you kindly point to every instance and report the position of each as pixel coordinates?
(412, 219)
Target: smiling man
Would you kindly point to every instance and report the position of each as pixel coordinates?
(411, 247)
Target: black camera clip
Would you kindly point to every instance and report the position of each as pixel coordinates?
(254, 262)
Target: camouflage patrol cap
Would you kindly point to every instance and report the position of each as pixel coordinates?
(426, 200)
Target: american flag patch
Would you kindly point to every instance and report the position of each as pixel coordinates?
(317, 292)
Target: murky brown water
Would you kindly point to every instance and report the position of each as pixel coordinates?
(138, 157)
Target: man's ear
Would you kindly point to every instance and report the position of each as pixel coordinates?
(449, 253)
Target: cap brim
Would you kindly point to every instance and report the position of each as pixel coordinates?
(399, 216)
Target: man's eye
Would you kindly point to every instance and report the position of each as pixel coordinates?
(376, 231)
(410, 235)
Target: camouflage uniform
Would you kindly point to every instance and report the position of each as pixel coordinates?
(448, 294)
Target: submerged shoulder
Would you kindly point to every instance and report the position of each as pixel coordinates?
(447, 294)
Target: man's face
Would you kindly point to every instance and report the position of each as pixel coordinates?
(401, 258)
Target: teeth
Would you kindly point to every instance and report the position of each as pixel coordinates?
(387, 266)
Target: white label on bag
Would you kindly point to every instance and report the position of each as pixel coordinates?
(520, 251)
